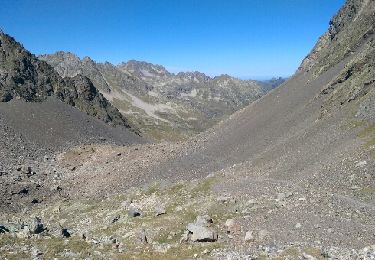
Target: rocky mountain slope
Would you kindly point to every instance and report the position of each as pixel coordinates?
(162, 104)
(291, 176)
(41, 113)
(23, 76)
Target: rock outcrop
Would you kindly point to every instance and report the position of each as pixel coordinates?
(23, 76)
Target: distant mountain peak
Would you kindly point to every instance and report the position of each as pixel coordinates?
(144, 69)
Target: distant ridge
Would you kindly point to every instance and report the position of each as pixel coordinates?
(164, 105)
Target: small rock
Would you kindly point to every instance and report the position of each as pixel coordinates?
(24, 232)
(143, 237)
(35, 201)
(26, 169)
(281, 196)
(35, 252)
(160, 210)
(3, 229)
(66, 232)
(298, 226)
(203, 220)
(249, 237)
(185, 237)
(134, 212)
(205, 252)
(251, 203)
(361, 164)
(223, 199)
(115, 219)
(232, 226)
(55, 188)
(36, 226)
(263, 234)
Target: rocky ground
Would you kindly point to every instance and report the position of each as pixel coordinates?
(234, 213)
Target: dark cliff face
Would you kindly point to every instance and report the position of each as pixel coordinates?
(349, 30)
(23, 76)
(350, 40)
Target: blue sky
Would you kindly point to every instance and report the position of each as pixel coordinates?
(244, 38)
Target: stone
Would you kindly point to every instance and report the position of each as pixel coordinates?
(281, 196)
(223, 199)
(263, 234)
(251, 202)
(36, 226)
(55, 188)
(298, 226)
(203, 220)
(160, 210)
(230, 223)
(201, 230)
(232, 227)
(133, 212)
(185, 237)
(26, 169)
(142, 236)
(115, 219)
(205, 252)
(202, 234)
(361, 164)
(249, 237)
(35, 252)
(66, 232)
(3, 229)
(24, 232)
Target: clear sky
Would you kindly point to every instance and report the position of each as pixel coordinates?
(244, 38)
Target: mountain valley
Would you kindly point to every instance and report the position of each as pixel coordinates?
(99, 161)
(163, 105)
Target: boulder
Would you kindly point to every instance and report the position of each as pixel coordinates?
(249, 237)
(201, 230)
(36, 226)
(202, 233)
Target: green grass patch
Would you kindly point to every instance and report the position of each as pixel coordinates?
(203, 187)
(368, 135)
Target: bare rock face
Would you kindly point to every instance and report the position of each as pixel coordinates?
(348, 29)
(23, 76)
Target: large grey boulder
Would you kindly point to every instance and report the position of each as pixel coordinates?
(201, 230)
